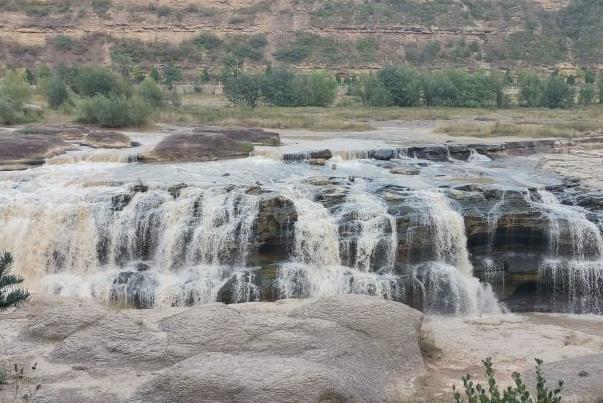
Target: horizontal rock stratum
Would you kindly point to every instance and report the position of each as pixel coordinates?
(342, 348)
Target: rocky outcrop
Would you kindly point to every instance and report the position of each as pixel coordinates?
(209, 144)
(344, 348)
(104, 139)
(20, 151)
(251, 136)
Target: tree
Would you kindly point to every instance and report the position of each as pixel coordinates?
(586, 94)
(438, 89)
(172, 75)
(242, 88)
(403, 85)
(530, 90)
(11, 295)
(557, 93)
(372, 91)
(315, 89)
(57, 92)
(589, 77)
(89, 81)
(154, 74)
(114, 111)
(277, 87)
(150, 92)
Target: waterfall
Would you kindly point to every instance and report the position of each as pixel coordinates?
(79, 243)
(446, 284)
(574, 269)
(474, 156)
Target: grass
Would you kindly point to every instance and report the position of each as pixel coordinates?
(499, 129)
(349, 116)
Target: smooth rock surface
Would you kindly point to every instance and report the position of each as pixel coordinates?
(342, 348)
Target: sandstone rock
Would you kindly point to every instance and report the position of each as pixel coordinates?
(106, 139)
(244, 135)
(184, 147)
(581, 377)
(19, 151)
(67, 132)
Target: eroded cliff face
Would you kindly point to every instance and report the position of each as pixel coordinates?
(339, 35)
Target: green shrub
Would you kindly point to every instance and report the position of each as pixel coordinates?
(438, 89)
(476, 393)
(316, 89)
(14, 93)
(11, 295)
(242, 88)
(172, 74)
(531, 90)
(372, 91)
(586, 95)
(150, 92)
(277, 87)
(114, 111)
(557, 93)
(56, 92)
(207, 41)
(89, 81)
(403, 85)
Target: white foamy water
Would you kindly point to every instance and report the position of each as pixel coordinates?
(82, 224)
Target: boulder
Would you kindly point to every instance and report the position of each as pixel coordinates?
(341, 348)
(66, 132)
(244, 135)
(20, 151)
(107, 139)
(188, 147)
(582, 381)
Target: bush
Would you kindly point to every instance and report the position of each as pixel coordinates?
(372, 91)
(316, 89)
(89, 81)
(403, 85)
(149, 91)
(557, 93)
(14, 92)
(586, 95)
(56, 92)
(530, 90)
(438, 89)
(172, 74)
(242, 89)
(114, 111)
(491, 393)
(11, 295)
(277, 87)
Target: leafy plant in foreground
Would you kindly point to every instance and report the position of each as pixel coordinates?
(477, 393)
(10, 294)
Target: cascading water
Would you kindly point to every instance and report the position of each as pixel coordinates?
(78, 244)
(574, 267)
(446, 283)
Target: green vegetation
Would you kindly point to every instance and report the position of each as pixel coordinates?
(57, 92)
(279, 87)
(406, 87)
(491, 393)
(15, 92)
(11, 295)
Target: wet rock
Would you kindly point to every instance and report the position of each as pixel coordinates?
(241, 287)
(107, 139)
(63, 132)
(384, 155)
(134, 289)
(252, 136)
(274, 228)
(405, 170)
(321, 154)
(186, 147)
(176, 190)
(20, 151)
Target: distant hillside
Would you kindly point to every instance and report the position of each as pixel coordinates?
(340, 35)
